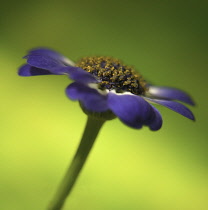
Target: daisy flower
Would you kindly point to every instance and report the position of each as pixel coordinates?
(106, 88)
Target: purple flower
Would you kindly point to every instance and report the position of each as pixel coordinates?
(105, 85)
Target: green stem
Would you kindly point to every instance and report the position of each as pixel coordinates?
(91, 131)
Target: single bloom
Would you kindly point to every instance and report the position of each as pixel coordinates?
(104, 86)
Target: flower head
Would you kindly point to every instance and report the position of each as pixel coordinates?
(107, 88)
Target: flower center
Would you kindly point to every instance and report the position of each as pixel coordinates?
(113, 75)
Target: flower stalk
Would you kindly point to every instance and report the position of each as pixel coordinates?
(91, 131)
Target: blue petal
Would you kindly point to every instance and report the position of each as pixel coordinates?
(80, 75)
(75, 73)
(45, 62)
(133, 110)
(90, 98)
(156, 122)
(170, 94)
(175, 106)
(27, 70)
(51, 53)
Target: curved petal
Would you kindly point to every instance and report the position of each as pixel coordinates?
(27, 70)
(132, 110)
(175, 106)
(42, 61)
(53, 54)
(80, 75)
(155, 123)
(75, 73)
(89, 97)
(45, 62)
(170, 94)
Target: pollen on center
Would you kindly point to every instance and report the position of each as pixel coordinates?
(113, 75)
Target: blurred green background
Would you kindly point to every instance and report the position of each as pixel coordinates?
(40, 128)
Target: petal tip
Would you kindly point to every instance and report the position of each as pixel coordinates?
(23, 71)
(193, 118)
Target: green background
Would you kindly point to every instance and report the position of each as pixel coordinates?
(127, 169)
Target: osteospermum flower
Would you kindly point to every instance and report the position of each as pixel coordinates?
(107, 88)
